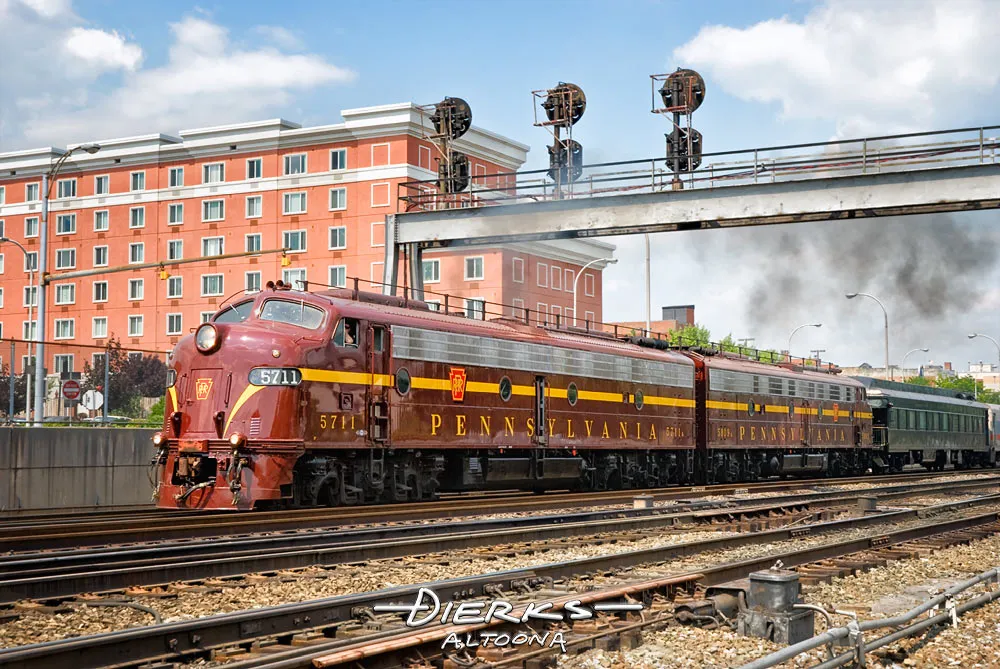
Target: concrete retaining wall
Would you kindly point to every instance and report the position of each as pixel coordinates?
(74, 468)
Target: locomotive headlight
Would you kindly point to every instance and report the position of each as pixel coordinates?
(206, 338)
(157, 439)
(236, 439)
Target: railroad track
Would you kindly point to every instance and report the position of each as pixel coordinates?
(87, 532)
(277, 630)
(49, 575)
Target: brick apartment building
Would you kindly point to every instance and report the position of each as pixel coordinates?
(321, 191)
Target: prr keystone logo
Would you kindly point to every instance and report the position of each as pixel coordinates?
(427, 609)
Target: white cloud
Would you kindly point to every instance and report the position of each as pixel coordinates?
(108, 51)
(868, 66)
(56, 95)
(279, 37)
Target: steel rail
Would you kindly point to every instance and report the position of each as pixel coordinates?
(102, 532)
(48, 575)
(185, 640)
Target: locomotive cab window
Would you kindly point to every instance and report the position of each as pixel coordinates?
(235, 313)
(347, 333)
(293, 313)
(378, 337)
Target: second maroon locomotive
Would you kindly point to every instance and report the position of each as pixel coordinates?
(293, 398)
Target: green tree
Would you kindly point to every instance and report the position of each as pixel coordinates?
(132, 378)
(690, 335)
(962, 384)
(918, 381)
(20, 391)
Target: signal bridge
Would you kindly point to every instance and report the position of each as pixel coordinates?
(895, 175)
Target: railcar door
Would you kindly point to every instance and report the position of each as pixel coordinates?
(541, 434)
(379, 363)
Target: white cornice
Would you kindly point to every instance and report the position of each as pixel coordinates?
(573, 251)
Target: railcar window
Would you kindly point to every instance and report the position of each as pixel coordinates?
(835, 393)
(572, 394)
(507, 389)
(944, 422)
(294, 313)
(911, 419)
(774, 386)
(235, 313)
(892, 417)
(756, 384)
(791, 388)
(346, 333)
(751, 408)
(922, 420)
(402, 381)
(639, 399)
(811, 390)
(379, 337)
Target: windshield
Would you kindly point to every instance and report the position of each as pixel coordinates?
(294, 313)
(235, 313)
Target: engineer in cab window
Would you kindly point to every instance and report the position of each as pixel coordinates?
(347, 333)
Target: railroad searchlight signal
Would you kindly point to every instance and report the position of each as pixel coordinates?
(681, 92)
(451, 118)
(562, 107)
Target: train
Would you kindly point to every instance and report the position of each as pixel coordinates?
(293, 398)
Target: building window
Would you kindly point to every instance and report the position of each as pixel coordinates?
(1, 307)
(137, 217)
(174, 326)
(588, 284)
(251, 282)
(338, 276)
(65, 293)
(255, 206)
(63, 361)
(175, 249)
(136, 289)
(3, 195)
(2, 263)
(556, 313)
(65, 328)
(294, 240)
(295, 164)
(213, 210)
(100, 256)
(31, 192)
(518, 308)
(206, 316)
(589, 317)
(138, 181)
(338, 238)
(66, 188)
(433, 305)
(31, 261)
(294, 203)
(136, 253)
(65, 224)
(175, 213)
(424, 157)
(253, 243)
(475, 307)
(212, 246)
(65, 258)
(296, 278)
(101, 221)
(213, 173)
(100, 291)
(31, 226)
(28, 330)
(474, 268)
(99, 327)
(31, 296)
(556, 283)
(101, 185)
(255, 168)
(211, 285)
(517, 270)
(432, 271)
(135, 326)
(378, 233)
(175, 287)
(338, 159)
(338, 199)
(542, 275)
(380, 195)
(176, 177)
(568, 283)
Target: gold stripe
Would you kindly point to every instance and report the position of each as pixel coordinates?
(844, 414)
(480, 387)
(331, 376)
(728, 406)
(247, 393)
(421, 383)
(777, 408)
(172, 393)
(669, 401)
(600, 396)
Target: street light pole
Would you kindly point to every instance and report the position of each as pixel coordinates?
(43, 280)
(888, 369)
(995, 342)
(806, 325)
(902, 362)
(29, 398)
(576, 281)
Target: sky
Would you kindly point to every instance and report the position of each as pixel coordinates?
(777, 72)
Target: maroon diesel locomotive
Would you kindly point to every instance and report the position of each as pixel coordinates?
(291, 398)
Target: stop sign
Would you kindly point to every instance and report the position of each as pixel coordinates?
(71, 389)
